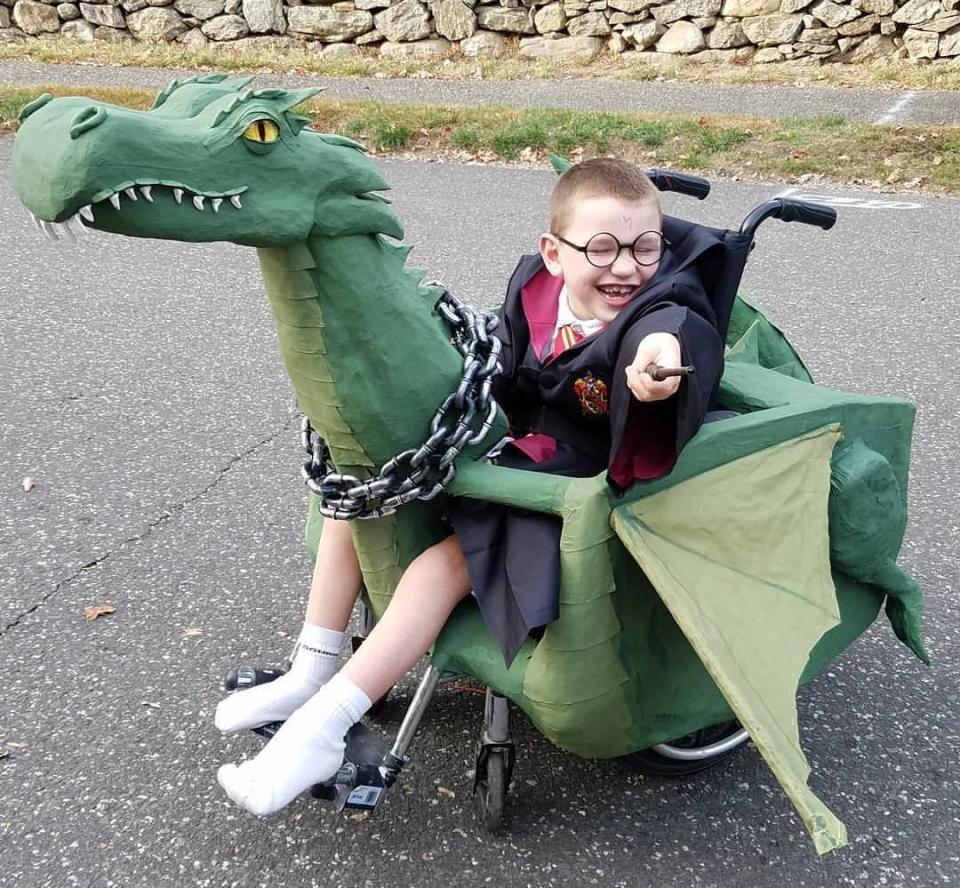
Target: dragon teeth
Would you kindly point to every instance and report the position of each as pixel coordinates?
(36, 222)
(76, 227)
(65, 227)
(52, 229)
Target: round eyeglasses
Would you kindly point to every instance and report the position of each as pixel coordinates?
(603, 250)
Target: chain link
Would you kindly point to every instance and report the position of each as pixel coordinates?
(424, 472)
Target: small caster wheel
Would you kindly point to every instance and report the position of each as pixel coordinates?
(491, 791)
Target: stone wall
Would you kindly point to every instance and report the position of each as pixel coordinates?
(707, 30)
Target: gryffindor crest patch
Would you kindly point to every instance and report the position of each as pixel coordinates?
(592, 394)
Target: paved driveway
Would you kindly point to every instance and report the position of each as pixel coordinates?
(140, 386)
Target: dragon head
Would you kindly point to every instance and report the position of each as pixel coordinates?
(211, 161)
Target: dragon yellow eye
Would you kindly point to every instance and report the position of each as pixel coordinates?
(264, 131)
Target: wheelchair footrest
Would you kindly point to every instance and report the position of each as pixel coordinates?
(361, 782)
(364, 747)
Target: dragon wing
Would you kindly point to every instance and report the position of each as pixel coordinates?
(740, 557)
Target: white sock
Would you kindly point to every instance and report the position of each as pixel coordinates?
(315, 662)
(308, 749)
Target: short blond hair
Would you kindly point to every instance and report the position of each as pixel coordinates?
(599, 177)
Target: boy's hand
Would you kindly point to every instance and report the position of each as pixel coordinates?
(657, 348)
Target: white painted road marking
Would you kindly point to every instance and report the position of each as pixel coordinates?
(890, 115)
(855, 203)
(859, 203)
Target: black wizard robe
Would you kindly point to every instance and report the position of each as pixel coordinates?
(574, 415)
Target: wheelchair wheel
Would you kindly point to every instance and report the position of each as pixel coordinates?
(492, 790)
(695, 752)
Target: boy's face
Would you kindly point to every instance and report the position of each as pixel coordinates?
(601, 293)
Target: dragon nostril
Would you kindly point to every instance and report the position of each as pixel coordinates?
(87, 119)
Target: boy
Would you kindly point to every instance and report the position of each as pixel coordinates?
(581, 323)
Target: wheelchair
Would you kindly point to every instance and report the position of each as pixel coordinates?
(766, 400)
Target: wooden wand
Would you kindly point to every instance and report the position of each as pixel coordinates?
(660, 373)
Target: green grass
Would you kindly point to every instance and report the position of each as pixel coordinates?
(649, 133)
(466, 138)
(714, 140)
(12, 101)
(384, 134)
(925, 158)
(511, 138)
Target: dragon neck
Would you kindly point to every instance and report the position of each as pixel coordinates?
(369, 360)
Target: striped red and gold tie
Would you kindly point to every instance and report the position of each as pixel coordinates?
(567, 337)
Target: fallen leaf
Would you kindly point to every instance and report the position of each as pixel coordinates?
(193, 632)
(360, 816)
(16, 745)
(798, 153)
(97, 610)
(466, 687)
(459, 831)
(28, 483)
(148, 703)
(447, 792)
(937, 160)
(4, 753)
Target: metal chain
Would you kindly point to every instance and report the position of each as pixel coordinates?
(419, 473)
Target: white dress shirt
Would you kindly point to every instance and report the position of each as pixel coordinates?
(566, 316)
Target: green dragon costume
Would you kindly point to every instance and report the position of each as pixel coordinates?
(706, 595)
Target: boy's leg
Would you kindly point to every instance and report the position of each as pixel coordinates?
(309, 747)
(333, 593)
(425, 596)
(336, 578)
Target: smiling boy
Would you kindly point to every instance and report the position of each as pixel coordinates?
(605, 270)
(582, 321)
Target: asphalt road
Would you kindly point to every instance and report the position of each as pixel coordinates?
(797, 100)
(140, 387)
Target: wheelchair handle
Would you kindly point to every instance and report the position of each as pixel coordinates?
(667, 180)
(790, 211)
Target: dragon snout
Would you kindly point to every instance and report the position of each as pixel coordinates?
(87, 119)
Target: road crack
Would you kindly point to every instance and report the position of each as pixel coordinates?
(165, 516)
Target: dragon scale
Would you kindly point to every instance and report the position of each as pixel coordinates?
(315, 297)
